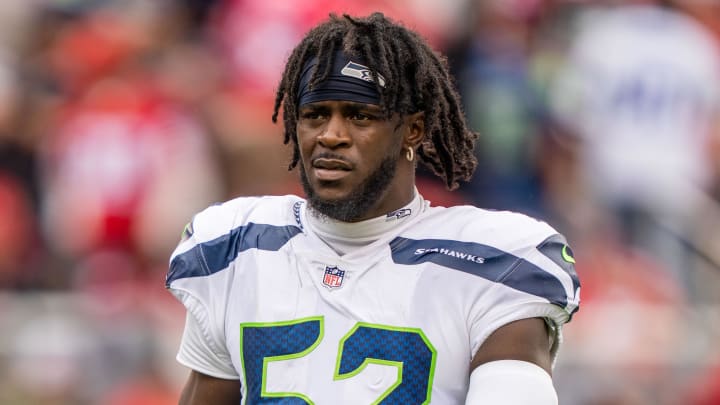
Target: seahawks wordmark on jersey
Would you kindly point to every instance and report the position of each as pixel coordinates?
(396, 321)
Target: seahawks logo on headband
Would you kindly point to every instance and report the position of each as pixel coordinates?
(347, 81)
(361, 72)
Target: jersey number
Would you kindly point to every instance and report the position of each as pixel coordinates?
(408, 349)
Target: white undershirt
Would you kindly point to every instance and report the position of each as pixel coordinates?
(345, 236)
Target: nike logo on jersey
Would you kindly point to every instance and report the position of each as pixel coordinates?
(451, 253)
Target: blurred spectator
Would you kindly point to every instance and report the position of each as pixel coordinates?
(116, 164)
(120, 152)
(641, 89)
(502, 104)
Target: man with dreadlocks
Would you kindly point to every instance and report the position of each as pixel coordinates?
(364, 292)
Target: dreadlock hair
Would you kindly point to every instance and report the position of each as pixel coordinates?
(417, 79)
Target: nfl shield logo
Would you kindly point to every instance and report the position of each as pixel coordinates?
(333, 276)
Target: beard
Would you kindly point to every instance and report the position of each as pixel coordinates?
(360, 200)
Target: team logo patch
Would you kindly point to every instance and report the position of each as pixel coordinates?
(296, 213)
(401, 213)
(361, 72)
(333, 277)
(567, 254)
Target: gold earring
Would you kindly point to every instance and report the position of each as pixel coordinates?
(410, 154)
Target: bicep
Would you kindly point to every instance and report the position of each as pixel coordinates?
(525, 340)
(204, 389)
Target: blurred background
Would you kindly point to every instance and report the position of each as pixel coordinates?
(119, 119)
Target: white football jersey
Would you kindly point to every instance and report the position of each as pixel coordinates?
(396, 321)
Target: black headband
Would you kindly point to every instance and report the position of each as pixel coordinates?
(348, 80)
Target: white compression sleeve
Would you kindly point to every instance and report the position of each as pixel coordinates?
(511, 382)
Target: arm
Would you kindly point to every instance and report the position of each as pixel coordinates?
(203, 389)
(525, 340)
(513, 366)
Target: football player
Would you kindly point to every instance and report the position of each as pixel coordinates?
(363, 292)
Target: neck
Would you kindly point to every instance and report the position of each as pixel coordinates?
(345, 236)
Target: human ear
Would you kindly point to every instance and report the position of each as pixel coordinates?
(416, 129)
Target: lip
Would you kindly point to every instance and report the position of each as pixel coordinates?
(329, 175)
(331, 164)
(327, 169)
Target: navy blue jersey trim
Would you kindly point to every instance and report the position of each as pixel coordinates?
(212, 256)
(557, 250)
(483, 261)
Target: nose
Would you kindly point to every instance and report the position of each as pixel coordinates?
(335, 134)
